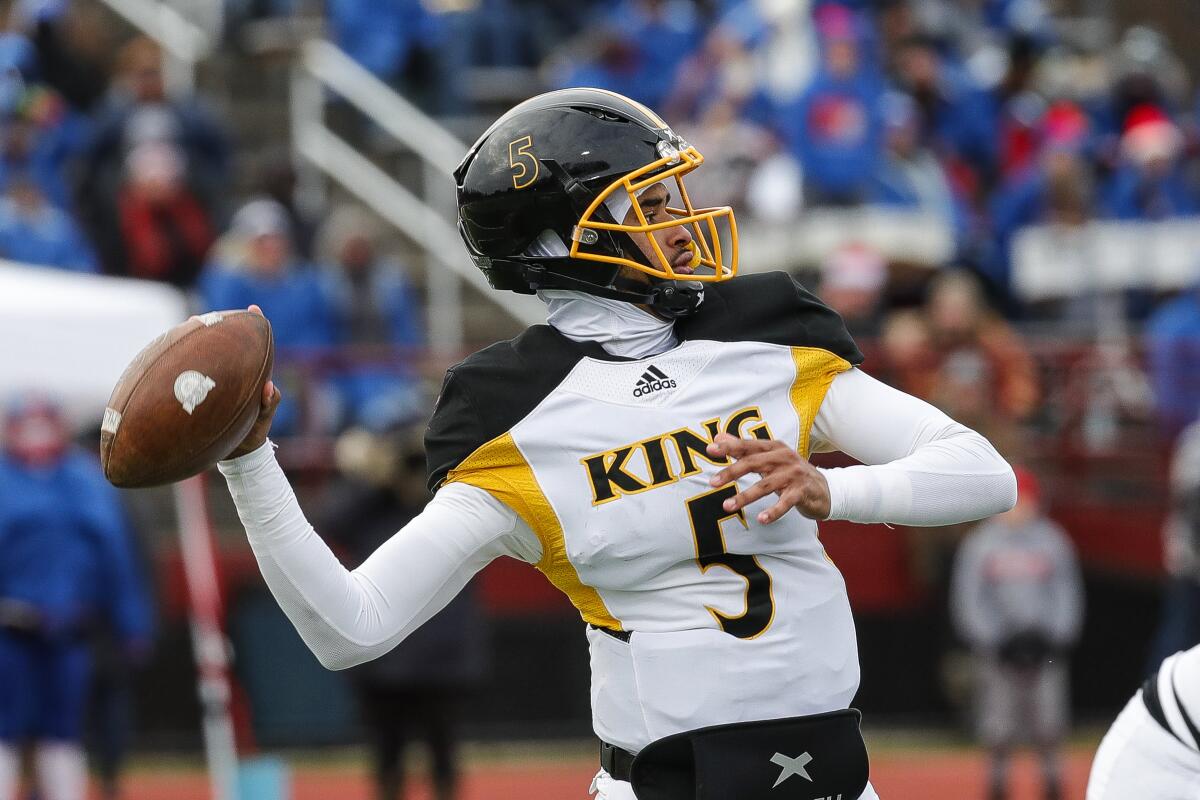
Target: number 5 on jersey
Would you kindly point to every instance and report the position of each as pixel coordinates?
(706, 512)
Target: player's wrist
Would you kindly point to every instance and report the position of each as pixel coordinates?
(244, 462)
(822, 504)
(837, 492)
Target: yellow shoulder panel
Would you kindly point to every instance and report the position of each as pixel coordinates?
(499, 468)
(815, 370)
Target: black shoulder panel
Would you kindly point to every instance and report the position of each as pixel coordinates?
(491, 391)
(768, 307)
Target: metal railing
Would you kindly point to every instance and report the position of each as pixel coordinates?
(424, 215)
(184, 41)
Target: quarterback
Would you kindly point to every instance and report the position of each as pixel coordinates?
(647, 451)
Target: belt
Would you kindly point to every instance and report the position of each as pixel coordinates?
(1154, 705)
(615, 761)
(622, 635)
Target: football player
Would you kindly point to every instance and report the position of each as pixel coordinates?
(647, 451)
(1153, 748)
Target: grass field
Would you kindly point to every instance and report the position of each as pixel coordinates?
(900, 771)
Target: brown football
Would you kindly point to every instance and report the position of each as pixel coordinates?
(187, 400)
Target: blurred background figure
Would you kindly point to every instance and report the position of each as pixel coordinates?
(262, 267)
(910, 175)
(164, 231)
(415, 691)
(35, 232)
(1179, 627)
(1057, 187)
(378, 313)
(67, 565)
(396, 40)
(835, 128)
(1149, 182)
(139, 112)
(984, 373)
(853, 280)
(909, 358)
(40, 139)
(1017, 601)
(958, 116)
(276, 180)
(635, 49)
(1173, 347)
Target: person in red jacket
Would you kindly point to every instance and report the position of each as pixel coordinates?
(165, 232)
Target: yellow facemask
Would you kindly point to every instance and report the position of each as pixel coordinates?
(706, 246)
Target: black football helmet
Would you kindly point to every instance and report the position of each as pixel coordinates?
(549, 164)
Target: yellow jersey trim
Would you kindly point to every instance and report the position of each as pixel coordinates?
(815, 371)
(499, 468)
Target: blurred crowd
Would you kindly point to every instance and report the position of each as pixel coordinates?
(103, 171)
(988, 116)
(986, 113)
(985, 116)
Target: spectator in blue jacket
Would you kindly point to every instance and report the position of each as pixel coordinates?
(66, 564)
(296, 297)
(380, 35)
(662, 33)
(959, 117)
(1149, 183)
(380, 319)
(638, 50)
(911, 176)
(39, 138)
(426, 47)
(34, 232)
(835, 128)
(1173, 345)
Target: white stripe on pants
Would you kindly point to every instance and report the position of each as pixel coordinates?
(604, 787)
(1139, 758)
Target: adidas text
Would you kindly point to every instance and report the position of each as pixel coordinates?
(653, 386)
(652, 380)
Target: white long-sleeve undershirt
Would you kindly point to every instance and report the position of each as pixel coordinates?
(919, 466)
(348, 617)
(926, 470)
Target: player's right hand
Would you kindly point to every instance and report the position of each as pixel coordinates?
(782, 471)
(262, 426)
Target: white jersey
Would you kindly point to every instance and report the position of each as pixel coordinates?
(605, 459)
(1178, 684)
(1154, 753)
(611, 471)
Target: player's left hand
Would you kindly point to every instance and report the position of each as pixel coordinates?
(784, 472)
(262, 424)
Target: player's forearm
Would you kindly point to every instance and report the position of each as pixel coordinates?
(922, 468)
(956, 479)
(348, 617)
(312, 587)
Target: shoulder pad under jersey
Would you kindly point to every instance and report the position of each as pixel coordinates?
(769, 307)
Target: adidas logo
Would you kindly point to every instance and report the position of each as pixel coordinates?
(652, 380)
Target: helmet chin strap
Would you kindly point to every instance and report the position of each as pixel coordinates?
(669, 299)
(676, 299)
